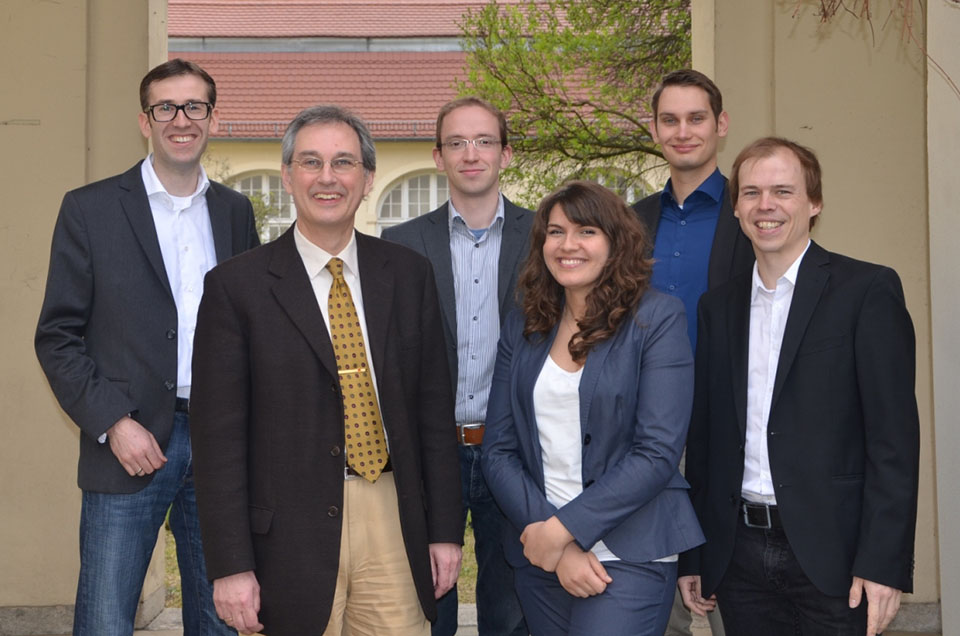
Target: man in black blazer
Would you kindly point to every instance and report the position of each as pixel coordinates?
(300, 537)
(697, 240)
(115, 339)
(476, 243)
(803, 449)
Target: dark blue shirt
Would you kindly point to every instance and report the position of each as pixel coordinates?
(682, 249)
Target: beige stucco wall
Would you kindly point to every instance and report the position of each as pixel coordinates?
(860, 103)
(69, 113)
(943, 162)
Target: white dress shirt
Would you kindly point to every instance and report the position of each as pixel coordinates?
(769, 309)
(186, 243)
(315, 261)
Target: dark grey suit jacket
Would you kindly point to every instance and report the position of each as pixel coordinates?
(266, 420)
(731, 252)
(430, 235)
(107, 337)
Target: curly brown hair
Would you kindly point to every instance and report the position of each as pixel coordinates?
(623, 280)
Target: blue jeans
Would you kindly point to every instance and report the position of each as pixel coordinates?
(765, 591)
(117, 535)
(498, 609)
(636, 603)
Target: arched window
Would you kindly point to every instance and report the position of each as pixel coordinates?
(410, 197)
(267, 189)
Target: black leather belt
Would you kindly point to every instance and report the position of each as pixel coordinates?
(763, 516)
(386, 469)
(182, 405)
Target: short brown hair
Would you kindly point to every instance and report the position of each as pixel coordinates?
(690, 77)
(175, 68)
(472, 100)
(766, 147)
(623, 280)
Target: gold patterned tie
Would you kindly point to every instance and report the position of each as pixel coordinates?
(362, 426)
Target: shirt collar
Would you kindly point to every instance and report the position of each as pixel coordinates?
(789, 276)
(315, 258)
(453, 214)
(154, 187)
(712, 186)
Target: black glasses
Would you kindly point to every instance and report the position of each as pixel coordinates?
(196, 111)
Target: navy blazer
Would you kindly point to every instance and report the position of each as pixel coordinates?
(635, 398)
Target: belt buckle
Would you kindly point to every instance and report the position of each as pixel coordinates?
(469, 426)
(763, 525)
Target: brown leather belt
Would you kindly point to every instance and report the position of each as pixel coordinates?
(470, 433)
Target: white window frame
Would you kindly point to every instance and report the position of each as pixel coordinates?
(406, 193)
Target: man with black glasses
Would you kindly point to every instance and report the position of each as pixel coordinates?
(115, 339)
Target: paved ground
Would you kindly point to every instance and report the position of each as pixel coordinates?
(168, 624)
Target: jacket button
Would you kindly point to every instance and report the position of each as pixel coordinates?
(171, 334)
(333, 511)
(170, 385)
(335, 451)
(586, 439)
(333, 387)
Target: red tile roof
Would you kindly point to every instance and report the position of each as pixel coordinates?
(397, 93)
(317, 18)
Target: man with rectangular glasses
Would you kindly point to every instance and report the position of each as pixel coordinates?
(115, 339)
(476, 243)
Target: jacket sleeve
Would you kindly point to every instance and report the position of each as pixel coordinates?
(92, 401)
(219, 419)
(885, 351)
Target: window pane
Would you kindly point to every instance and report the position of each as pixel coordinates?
(391, 208)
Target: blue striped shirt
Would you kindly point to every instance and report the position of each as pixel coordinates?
(475, 263)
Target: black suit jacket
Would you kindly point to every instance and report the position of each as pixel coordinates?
(730, 253)
(843, 431)
(106, 337)
(267, 424)
(430, 235)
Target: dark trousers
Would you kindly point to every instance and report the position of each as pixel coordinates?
(498, 609)
(765, 591)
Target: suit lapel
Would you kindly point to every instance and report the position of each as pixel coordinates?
(136, 206)
(589, 379)
(436, 244)
(219, 224)
(812, 277)
(377, 285)
(295, 295)
(511, 248)
(738, 335)
(724, 240)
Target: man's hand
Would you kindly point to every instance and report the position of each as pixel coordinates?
(883, 603)
(544, 541)
(581, 573)
(237, 599)
(135, 447)
(693, 597)
(445, 565)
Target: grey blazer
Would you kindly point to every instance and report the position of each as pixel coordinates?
(107, 334)
(430, 236)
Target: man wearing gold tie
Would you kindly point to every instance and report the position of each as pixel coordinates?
(327, 481)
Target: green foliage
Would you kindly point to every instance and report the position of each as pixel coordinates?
(218, 169)
(575, 77)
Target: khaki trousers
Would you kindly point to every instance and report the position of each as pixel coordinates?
(375, 595)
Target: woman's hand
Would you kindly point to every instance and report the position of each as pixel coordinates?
(544, 541)
(580, 573)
